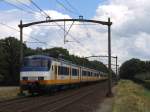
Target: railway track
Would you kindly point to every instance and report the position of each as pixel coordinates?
(48, 103)
(15, 100)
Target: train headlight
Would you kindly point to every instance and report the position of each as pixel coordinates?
(40, 78)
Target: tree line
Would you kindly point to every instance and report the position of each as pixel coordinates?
(135, 69)
(10, 65)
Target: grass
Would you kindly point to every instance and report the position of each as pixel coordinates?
(131, 97)
(8, 93)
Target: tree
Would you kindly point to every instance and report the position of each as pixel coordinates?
(9, 60)
(57, 52)
(130, 68)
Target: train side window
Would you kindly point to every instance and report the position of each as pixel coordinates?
(63, 70)
(84, 73)
(74, 72)
(66, 71)
(90, 74)
(59, 70)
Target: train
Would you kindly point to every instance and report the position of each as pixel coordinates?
(41, 73)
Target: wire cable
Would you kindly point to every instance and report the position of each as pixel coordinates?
(10, 27)
(46, 16)
(67, 9)
(25, 5)
(73, 7)
(17, 7)
(39, 8)
(74, 39)
(13, 5)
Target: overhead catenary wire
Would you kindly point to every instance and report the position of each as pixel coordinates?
(46, 15)
(13, 5)
(31, 12)
(74, 39)
(77, 13)
(22, 9)
(19, 1)
(55, 22)
(27, 6)
(25, 10)
(72, 7)
(67, 9)
(10, 27)
(89, 35)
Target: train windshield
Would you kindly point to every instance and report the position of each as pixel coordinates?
(36, 63)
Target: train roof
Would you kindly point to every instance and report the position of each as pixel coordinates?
(60, 60)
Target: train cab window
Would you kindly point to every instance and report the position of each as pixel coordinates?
(44, 63)
(36, 62)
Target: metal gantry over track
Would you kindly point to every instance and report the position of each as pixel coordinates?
(104, 56)
(48, 20)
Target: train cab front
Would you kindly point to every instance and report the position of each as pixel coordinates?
(35, 70)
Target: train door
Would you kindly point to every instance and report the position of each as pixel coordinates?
(55, 72)
(70, 72)
(80, 74)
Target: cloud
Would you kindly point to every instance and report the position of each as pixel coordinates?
(12, 18)
(130, 29)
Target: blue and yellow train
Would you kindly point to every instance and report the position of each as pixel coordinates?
(44, 73)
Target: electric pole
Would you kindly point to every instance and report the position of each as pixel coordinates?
(109, 59)
(21, 42)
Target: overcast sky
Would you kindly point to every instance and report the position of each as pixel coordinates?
(130, 29)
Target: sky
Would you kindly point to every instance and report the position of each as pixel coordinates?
(130, 29)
